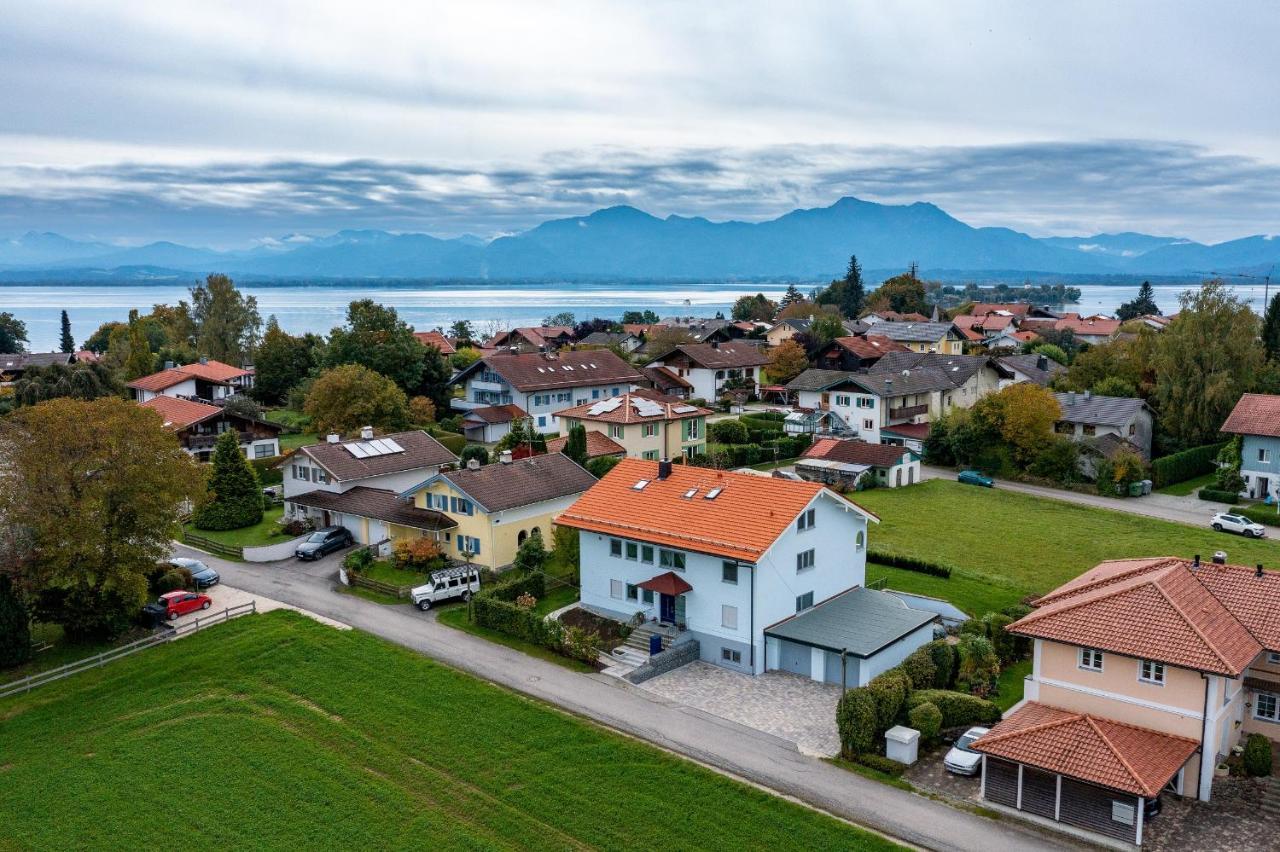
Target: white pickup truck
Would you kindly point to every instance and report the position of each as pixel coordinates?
(446, 584)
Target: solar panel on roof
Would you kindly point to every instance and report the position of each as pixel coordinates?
(358, 451)
(395, 448)
(684, 409)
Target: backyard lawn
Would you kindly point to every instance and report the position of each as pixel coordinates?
(1026, 544)
(295, 735)
(264, 532)
(975, 596)
(1011, 684)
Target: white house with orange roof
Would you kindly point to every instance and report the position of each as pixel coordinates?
(763, 573)
(199, 425)
(205, 380)
(1146, 672)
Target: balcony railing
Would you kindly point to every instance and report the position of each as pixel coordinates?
(204, 442)
(908, 411)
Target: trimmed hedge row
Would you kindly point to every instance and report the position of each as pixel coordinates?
(1217, 496)
(957, 708)
(452, 441)
(1188, 464)
(1258, 514)
(494, 608)
(909, 563)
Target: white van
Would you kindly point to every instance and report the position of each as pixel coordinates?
(461, 582)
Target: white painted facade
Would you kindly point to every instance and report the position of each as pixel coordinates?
(859, 410)
(486, 387)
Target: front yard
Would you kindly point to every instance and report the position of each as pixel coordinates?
(267, 531)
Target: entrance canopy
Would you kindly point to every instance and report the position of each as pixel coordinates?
(669, 583)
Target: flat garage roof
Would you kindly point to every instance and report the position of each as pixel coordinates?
(860, 620)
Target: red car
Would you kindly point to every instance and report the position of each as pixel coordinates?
(173, 604)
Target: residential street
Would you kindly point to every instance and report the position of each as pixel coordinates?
(743, 752)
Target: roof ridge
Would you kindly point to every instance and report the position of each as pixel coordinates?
(1149, 564)
(1203, 638)
(1030, 729)
(1128, 767)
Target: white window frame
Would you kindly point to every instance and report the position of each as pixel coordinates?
(617, 590)
(1089, 659)
(615, 431)
(728, 617)
(650, 430)
(1275, 706)
(1155, 676)
(1264, 455)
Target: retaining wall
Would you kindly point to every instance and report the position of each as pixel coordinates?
(669, 660)
(273, 552)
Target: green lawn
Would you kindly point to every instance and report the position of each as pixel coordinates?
(297, 439)
(293, 735)
(1030, 544)
(384, 572)
(1011, 683)
(974, 596)
(61, 650)
(258, 534)
(1191, 486)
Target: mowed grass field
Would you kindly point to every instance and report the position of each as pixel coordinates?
(276, 732)
(1010, 542)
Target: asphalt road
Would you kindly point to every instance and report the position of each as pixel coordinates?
(748, 754)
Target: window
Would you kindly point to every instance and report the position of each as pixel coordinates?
(304, 473)
(859, 541)
(868, 424)
(1090, 429)
(1266, 705)
(719, 374)
(649, 430)
(1133, 429)
(615, 431)
(806, 520)
(646, 554)
(595, 393)
(320, 476)
(469, 544)
(804, 561)
(1273, 658)
(460, 505)
(866, 402)
(729, 655)
(804, 601)
(633, 550)
(842, 400)
(646, 595)
(542, 421)
(633, 592)
(615, 547)
(671, 559)
(1149, 671)
(1091, 659)
(616, 589)
(650, 455)
(729, 617)
(729, 572)
(262, 451)
(1264, 455)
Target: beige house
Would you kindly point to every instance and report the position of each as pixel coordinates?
(1146, 672)
(646, 424)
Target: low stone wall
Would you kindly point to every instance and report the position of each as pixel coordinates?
(669, 660)
(272, 552)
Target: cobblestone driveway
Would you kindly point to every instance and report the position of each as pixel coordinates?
(785, 705)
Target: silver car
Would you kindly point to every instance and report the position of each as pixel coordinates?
(961, 759)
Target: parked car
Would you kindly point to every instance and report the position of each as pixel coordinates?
(170, 605)
(1227, 522)
(446, 584)
(202, 575)
(961, 759)
(324, 541)
(974, 477)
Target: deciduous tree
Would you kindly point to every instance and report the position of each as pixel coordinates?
(786, 361)
(376, 337)
(902, 293)
(759, 307)
(78, 381)
(344, 399)
(139, 361)
(645, 317)
(227, 322)
(281, 361)
(13, 333)
(15, 626)
(1023, 415)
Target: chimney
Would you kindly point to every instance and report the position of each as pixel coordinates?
(204, 359)
(1258, 571)
(505, 457)
(168, 365)
(473, 464)
(715, 344)
(664, 468)
(334, 438)
(1219, 557)
(1195, 562)
(366, 433)
(1088, 395)
(1071, 400)
(1042, 363)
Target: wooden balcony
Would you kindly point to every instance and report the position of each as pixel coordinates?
(908, 411)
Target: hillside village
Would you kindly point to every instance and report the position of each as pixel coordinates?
(856, 520)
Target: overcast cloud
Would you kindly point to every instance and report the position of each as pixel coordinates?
(222, 123)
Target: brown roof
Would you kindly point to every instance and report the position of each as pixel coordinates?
(664, 378)
(721, 356)
(180, 413)
(598, 444)
(1156, 609)
(496, 487)
(1100, 751)
(436, 339)
(856, 452)
(1018, 309)
(497, 413)
(535, 371)
(742, 522)
(1255, 414)
(870, 346)
(628, 409)
(1088, 326)
(420, 450)
(534, 335)
(378, 504)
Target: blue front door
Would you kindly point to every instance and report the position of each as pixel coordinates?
(667, 609)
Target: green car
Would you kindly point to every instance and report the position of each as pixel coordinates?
(973, 477)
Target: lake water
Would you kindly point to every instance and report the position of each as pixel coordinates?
(319, 308)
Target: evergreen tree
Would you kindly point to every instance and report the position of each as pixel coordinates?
(235, 498)
(68, 342)
(576, 447)
(854, 292)
(1143, 304)
(791, 296)
(15, 626)
(1271, 329)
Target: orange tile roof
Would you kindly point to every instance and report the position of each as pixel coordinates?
(436, 339)
(1092, 327)
(981, 309)
(1254, 600)
(870, 345)
(180, 413)
(598, 444)
(1100, 751)
(626, 412)
(160, 381)
(1155, 609)
(212, 371)
(742, 522)
(1255, 414)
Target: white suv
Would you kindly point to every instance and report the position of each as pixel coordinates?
(446, 584)
(1238, 524)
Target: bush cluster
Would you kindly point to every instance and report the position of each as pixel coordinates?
(173, 580)
(420, 554)
(1188, 464)
(927, 719)
(496, 608)
(881, 764)
(957, 708)
(908, 563)
(1257, 756)
(741, 455)
(1216, 496)
(357, 561)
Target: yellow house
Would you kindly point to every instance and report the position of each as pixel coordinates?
(496, 507)
(940, 337)
(646, 424)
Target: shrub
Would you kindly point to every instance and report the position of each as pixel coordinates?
(173, 580)
(1257, 756)
(856, 722)
(88, 613)
(920, 668)
(957, 708)
(1258, 514)
(973, 627)
(531, 556)
(422, 410)
(909, 563)
(1188, 464)
(1058, 460)
(927, 719)
(979, 666)
(943, 654)
(534, 584)
(357, 561)
(1217, 496)
(297, 526)
(881, 764)
(728, 432)
(473, 451)
(600, 465)
(267, 470)
(452, 441)
(417, 554)
(889, 690)
(1001, 639)
(526, 601)
(580, 644)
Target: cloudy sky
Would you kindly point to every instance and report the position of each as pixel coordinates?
(221, 123)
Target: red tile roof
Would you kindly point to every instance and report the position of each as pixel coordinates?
(211, 371)
(598, 444)
(496, 413)
(436, 339)
(627, 410)
(1018, 309)
(669, 583)
(1255, 414)
(870, 346)
(1100, 751)
(1091, 327)
(743, 521)
(160, 381)
(1155, 609)
(180, 413)
(856, 452)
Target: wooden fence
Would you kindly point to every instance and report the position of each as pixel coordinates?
(168, 634)
(394, 591)
(215, 547)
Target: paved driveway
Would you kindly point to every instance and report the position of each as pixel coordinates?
(226, 597)
(794, 708)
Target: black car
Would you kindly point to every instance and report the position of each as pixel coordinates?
(323, 542)
(201, 575)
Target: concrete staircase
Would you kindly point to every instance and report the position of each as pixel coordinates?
(634, 651)
(1270, 804)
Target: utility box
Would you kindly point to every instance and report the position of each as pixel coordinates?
(901, 744)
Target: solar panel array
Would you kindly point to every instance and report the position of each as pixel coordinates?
(646, 407)
(604, 406)
(374, 448)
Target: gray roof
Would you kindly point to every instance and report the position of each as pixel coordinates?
(861, 621)
(915, 332)
(497, 487)
(814, 379)
(419, 450)
(1028, 365)
(1098, 410)
(23, 360)
(606, 338)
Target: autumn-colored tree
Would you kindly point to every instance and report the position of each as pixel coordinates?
(902, 293)
(786, 361)
(757, 307)
(1023, 415)
(1207, 357)
(97, 488)
(351, 396)
(804, 309)
(422, 411)
(664, 339)
(140, 361)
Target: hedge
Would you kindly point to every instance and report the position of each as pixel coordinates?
(534, 583)
(886, 765)
(267, 470)
(1258, 514)
(889, 690)
(856, 722)
(958, 708)
(927, 719)
(1217, 496)
(452, 441)
(1188, 464)
(909, 563)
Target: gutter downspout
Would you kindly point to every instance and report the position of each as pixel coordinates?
(1204, 733)
(844, 678)
(753, 619)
